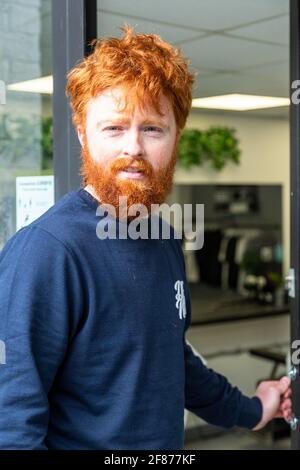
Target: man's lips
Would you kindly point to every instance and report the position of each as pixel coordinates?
(132, 172)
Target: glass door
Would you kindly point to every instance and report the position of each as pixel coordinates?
(25, 109)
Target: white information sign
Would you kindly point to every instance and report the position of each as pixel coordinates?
(35, 195)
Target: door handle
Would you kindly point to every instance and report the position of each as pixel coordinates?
(293, 373)
(293, 423)
(290, 283)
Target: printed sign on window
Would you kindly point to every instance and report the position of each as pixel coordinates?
(34, 196)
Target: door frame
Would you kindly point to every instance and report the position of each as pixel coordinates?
(74, 25)
(295, 203)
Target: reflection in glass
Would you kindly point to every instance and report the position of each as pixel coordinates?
(25, 117)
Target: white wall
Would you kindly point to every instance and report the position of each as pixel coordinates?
(264, 145)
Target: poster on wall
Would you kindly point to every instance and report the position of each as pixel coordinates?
(34, 196)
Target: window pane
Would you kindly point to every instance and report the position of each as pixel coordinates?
(25, 116)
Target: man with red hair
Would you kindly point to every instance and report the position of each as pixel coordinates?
(93, 352)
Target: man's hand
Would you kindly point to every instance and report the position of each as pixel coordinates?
(275, 397)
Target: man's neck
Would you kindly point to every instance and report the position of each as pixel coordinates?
(89, 188)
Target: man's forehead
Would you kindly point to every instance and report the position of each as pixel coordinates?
(119, 103)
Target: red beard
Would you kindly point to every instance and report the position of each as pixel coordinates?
(108, 186)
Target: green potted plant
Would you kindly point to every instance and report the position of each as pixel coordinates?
(216, 145)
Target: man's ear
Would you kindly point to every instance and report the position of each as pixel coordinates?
(80, 134)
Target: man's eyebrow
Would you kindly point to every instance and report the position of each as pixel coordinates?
(155, 122)
(124, 120)
(113, 121)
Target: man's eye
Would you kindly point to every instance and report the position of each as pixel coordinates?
(153, 129)
(113, 128)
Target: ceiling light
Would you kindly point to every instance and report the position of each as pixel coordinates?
(38, 85)
(240, 102)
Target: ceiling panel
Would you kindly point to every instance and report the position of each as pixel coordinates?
(231, 54)
(220, 84)
(207, 14)
(273, 75)
(275, 31)
(109, 24)
(275, 113)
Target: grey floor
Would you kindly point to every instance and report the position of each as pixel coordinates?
(239, 440)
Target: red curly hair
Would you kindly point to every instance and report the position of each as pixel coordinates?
(143, 64)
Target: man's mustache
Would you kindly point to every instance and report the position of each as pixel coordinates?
(124, 163)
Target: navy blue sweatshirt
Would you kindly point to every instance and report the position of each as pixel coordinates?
(92, 340)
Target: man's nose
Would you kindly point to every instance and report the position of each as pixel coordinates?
(133, 145)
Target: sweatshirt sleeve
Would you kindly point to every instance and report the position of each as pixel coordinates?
(210, 396)
(39, 305)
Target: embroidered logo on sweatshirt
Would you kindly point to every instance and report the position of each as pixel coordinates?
(2, 352)
(180, 299)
